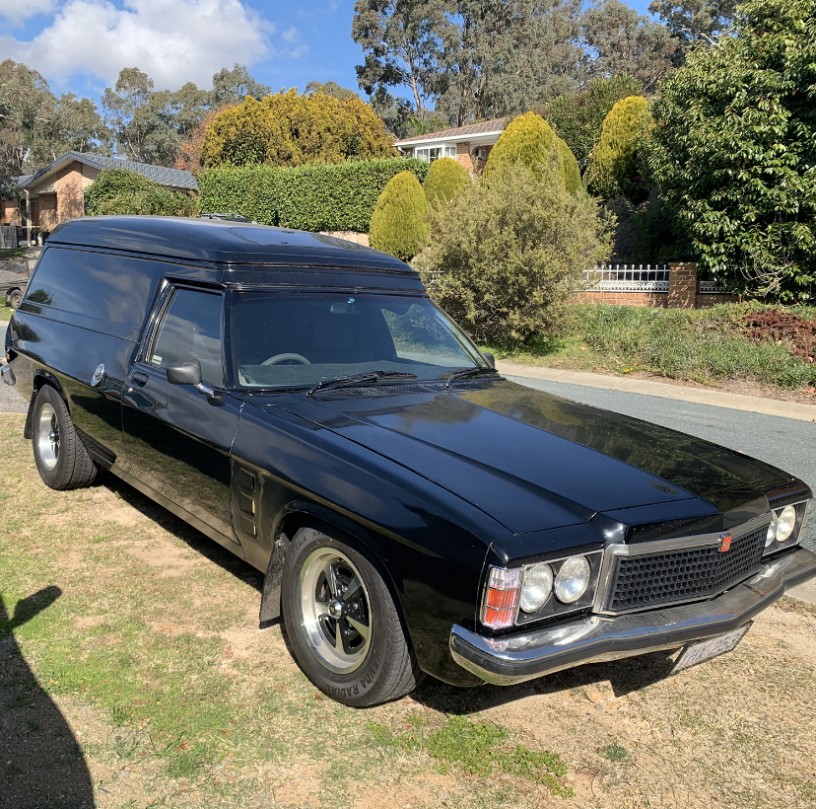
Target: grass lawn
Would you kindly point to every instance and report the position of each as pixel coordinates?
(708, 346)
(132, 674)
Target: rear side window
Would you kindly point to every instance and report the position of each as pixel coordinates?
(105, 292)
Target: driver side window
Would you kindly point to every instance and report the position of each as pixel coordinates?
(191, 330)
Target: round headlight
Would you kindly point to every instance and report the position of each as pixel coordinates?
(785, 523)
(538, 584)
(572, 579)
(771, 535)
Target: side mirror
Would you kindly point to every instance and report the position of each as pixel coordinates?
(189, 373)
(184, 373)
(490, 358)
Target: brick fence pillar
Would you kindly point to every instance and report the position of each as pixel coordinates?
(682, 286)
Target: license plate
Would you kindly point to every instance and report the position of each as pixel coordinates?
(704, 650)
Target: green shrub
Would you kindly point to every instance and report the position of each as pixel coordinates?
(314, 198)
(446, 178)
(569, 166)
(527, 141)
(116, 191)
(577, 116)
(506, 255)
(616, 165)
(735, 149)
(399, 224)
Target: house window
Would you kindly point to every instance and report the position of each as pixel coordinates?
(431, 153)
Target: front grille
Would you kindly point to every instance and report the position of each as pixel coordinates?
(640, 582)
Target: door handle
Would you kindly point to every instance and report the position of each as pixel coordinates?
(139, 378)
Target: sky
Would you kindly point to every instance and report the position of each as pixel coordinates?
(81, 45)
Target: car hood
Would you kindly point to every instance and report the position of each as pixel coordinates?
(534, 461)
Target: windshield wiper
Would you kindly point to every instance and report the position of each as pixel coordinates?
(463, 373)
(356, 379)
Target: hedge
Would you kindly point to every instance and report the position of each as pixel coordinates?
(117, 191)
(325, 197)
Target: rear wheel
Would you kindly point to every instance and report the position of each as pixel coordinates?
(342, 623)
(15, 298)
(62, 459)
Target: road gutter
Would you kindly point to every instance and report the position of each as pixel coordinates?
(648, 387)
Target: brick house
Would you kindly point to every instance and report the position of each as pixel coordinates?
(57, 192)
(469, 145)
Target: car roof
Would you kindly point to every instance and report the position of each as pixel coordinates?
(223, 242)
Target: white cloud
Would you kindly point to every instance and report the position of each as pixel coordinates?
(173, 41)
(18, 11)
(297, 48)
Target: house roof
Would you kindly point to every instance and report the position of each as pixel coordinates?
(493, 127)
(174, 178)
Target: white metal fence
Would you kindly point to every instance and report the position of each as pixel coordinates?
(628, 278)
(639, 278)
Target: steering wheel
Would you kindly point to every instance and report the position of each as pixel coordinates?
(276, 359)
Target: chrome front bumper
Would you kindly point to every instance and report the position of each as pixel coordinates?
(513, 659)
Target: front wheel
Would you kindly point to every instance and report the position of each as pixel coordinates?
(62, 459)
(15, 298)
(342, 623)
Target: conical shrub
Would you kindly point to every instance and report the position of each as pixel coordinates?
(570, 170)
(527, 141)
(446, 178)
(399, 224)
(615, 163)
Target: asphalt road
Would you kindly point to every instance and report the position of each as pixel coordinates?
(787, 443)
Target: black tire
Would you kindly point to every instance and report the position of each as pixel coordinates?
(62, 459)
(362, 657)
(15, 298)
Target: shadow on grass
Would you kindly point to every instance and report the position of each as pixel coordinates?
(41, 762)
(202, 544)
(624, 676)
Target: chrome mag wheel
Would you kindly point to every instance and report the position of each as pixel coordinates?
(48, 436)
(335, 610)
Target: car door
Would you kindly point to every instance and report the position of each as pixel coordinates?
(177, 438)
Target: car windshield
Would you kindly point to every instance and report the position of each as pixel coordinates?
(292, 340)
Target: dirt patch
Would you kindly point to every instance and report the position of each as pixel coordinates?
(715, 735)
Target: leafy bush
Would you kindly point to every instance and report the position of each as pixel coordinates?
(506, 255)
(336, 197)
(527, 141)
(288, 129)
(736, 150)
(446, 178)
(116, 191)
(616, 163)
(399, 224)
